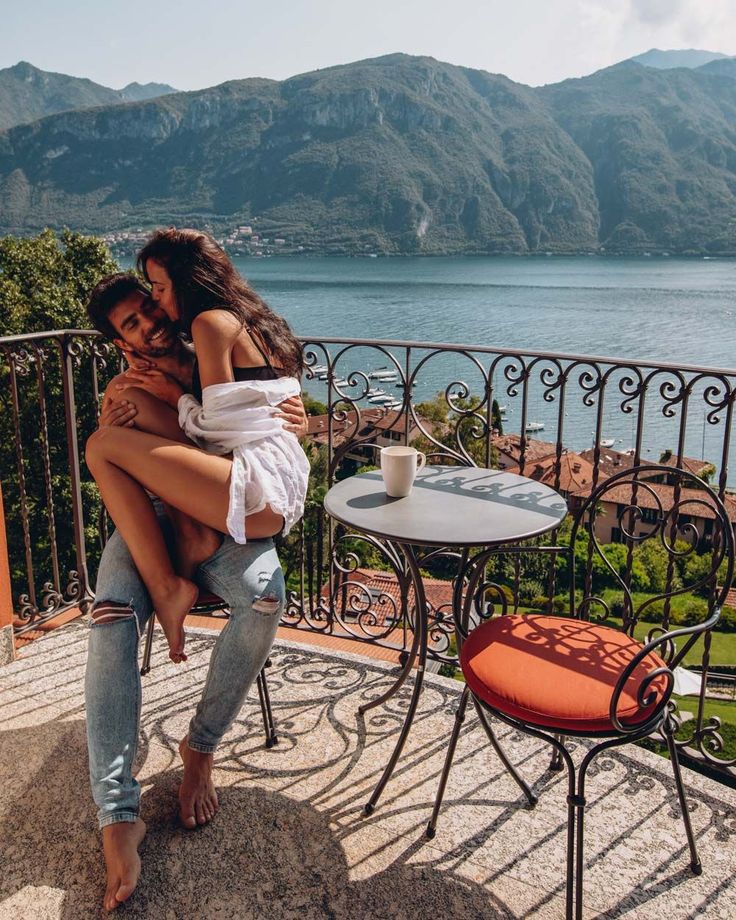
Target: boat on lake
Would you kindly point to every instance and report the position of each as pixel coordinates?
(534, 426)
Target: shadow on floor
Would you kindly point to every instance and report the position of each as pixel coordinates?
(264, 856)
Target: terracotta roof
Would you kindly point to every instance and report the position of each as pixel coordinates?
(575, 471)
(383, 588)
(610, 461)
(613, 461)
(374, 419)
(342, 430)
(510, 445)
(692, 465)
(621, 495)
(397, 421)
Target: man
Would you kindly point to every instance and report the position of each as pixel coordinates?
(248, 578)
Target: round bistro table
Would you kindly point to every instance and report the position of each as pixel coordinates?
(457, 508)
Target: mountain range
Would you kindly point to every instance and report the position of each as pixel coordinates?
(398, 154)
(27, 93)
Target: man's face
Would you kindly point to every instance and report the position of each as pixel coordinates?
(142, 326)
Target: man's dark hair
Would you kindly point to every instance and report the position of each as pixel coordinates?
(107, 294)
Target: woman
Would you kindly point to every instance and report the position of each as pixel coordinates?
(247, 361)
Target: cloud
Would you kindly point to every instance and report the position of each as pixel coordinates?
(680, 23)
(656, 12)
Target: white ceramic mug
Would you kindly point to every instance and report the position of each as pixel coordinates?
(399, 466)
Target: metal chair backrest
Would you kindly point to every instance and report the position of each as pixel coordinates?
(645, 537)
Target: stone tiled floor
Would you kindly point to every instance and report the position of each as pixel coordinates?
(291, 841)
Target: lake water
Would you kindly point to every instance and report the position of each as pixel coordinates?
(649, 308)
(661, 309)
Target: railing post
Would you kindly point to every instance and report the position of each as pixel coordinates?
(7, 647)
(70, 412)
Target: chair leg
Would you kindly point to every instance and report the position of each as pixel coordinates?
(459, 719)
(266, 711)
(519, 780)
(148, 646)
(668, 730)
(571, 816)
(579, 805)
(555, 764)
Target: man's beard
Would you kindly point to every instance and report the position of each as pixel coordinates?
(167, 345)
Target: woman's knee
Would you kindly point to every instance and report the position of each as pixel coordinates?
(97, 446)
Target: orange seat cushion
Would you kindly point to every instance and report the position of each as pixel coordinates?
(556, 672)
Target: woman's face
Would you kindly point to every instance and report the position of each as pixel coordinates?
(162, 290)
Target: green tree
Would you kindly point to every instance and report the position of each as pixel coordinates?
(656, 562)
(313, 406)
(464, 422)
(45, 280)
(44, 283)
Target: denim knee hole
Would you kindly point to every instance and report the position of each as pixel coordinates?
(268, 604)
(108, 612)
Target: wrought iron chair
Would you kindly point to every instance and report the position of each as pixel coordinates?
(555, 677)
(211, 604)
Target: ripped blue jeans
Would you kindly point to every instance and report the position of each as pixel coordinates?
(249, 578)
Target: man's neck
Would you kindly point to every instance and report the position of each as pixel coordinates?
(178, 363)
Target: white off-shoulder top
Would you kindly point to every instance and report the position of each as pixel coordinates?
(269, 465)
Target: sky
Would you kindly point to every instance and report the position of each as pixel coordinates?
(191, 44)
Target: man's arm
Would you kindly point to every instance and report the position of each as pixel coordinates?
(158, 383)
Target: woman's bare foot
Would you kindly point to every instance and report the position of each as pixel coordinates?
(120, 844)
(172, 604)
(198, 801)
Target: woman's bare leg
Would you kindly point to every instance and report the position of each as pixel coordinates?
(133, 514)
(124, 461)
(195, 541)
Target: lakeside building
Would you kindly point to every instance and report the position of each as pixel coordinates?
(654, 498)
(387, 427)
(508, 448)
(575, 472)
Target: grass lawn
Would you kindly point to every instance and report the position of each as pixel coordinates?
(722, 647)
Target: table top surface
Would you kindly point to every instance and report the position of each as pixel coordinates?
(449, 506)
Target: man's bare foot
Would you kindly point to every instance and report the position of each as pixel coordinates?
(172, 605)
(120, 844)
(194, 544)
(198, 801)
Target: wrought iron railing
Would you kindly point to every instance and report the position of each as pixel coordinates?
(545, 415)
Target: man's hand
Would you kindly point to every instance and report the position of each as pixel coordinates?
(137, 361)
(294, 415)
(117, 413)
(158, 383)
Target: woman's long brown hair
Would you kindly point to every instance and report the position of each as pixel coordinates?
(204, 278)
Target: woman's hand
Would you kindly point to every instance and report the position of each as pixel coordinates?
(294, 415)
(158, 383)
(117, 413)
